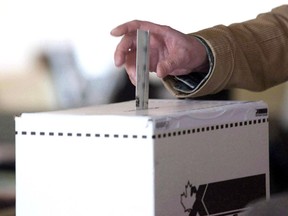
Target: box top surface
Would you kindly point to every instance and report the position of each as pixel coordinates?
(157, 108)
(161, 115)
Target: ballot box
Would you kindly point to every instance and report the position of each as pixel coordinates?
(178, 157)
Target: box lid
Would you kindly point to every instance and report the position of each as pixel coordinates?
(161, 115)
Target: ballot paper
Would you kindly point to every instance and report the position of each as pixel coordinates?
(142, 70)
(178, 157)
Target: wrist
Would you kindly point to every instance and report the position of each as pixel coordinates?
(208, 60)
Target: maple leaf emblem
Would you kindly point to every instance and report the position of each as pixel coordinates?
(192, 199)
(188, 197)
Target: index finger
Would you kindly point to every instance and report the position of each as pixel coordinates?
(132, 26)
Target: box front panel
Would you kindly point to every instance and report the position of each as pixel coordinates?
(83, 174)
(211, 170)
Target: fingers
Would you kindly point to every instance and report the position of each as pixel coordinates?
(126, 46)
(130, 67)
(128, 31)
(132, 26)
(125, 53)
(128, 27)
(128, 42)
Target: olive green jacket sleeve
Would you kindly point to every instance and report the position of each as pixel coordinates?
(251, 55)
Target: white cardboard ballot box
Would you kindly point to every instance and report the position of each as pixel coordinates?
(177, 158)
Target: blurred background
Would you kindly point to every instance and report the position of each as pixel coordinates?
(58, 54)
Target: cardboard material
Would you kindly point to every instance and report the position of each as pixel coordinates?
(179, 157)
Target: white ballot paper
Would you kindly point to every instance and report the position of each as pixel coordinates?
(142, 70)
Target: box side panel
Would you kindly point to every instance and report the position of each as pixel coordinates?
(211, 170)
(77, 174)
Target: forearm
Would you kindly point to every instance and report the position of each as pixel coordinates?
(251, 55)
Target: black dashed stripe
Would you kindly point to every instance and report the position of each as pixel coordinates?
(156, 136)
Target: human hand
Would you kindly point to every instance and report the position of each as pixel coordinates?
(171, 52)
